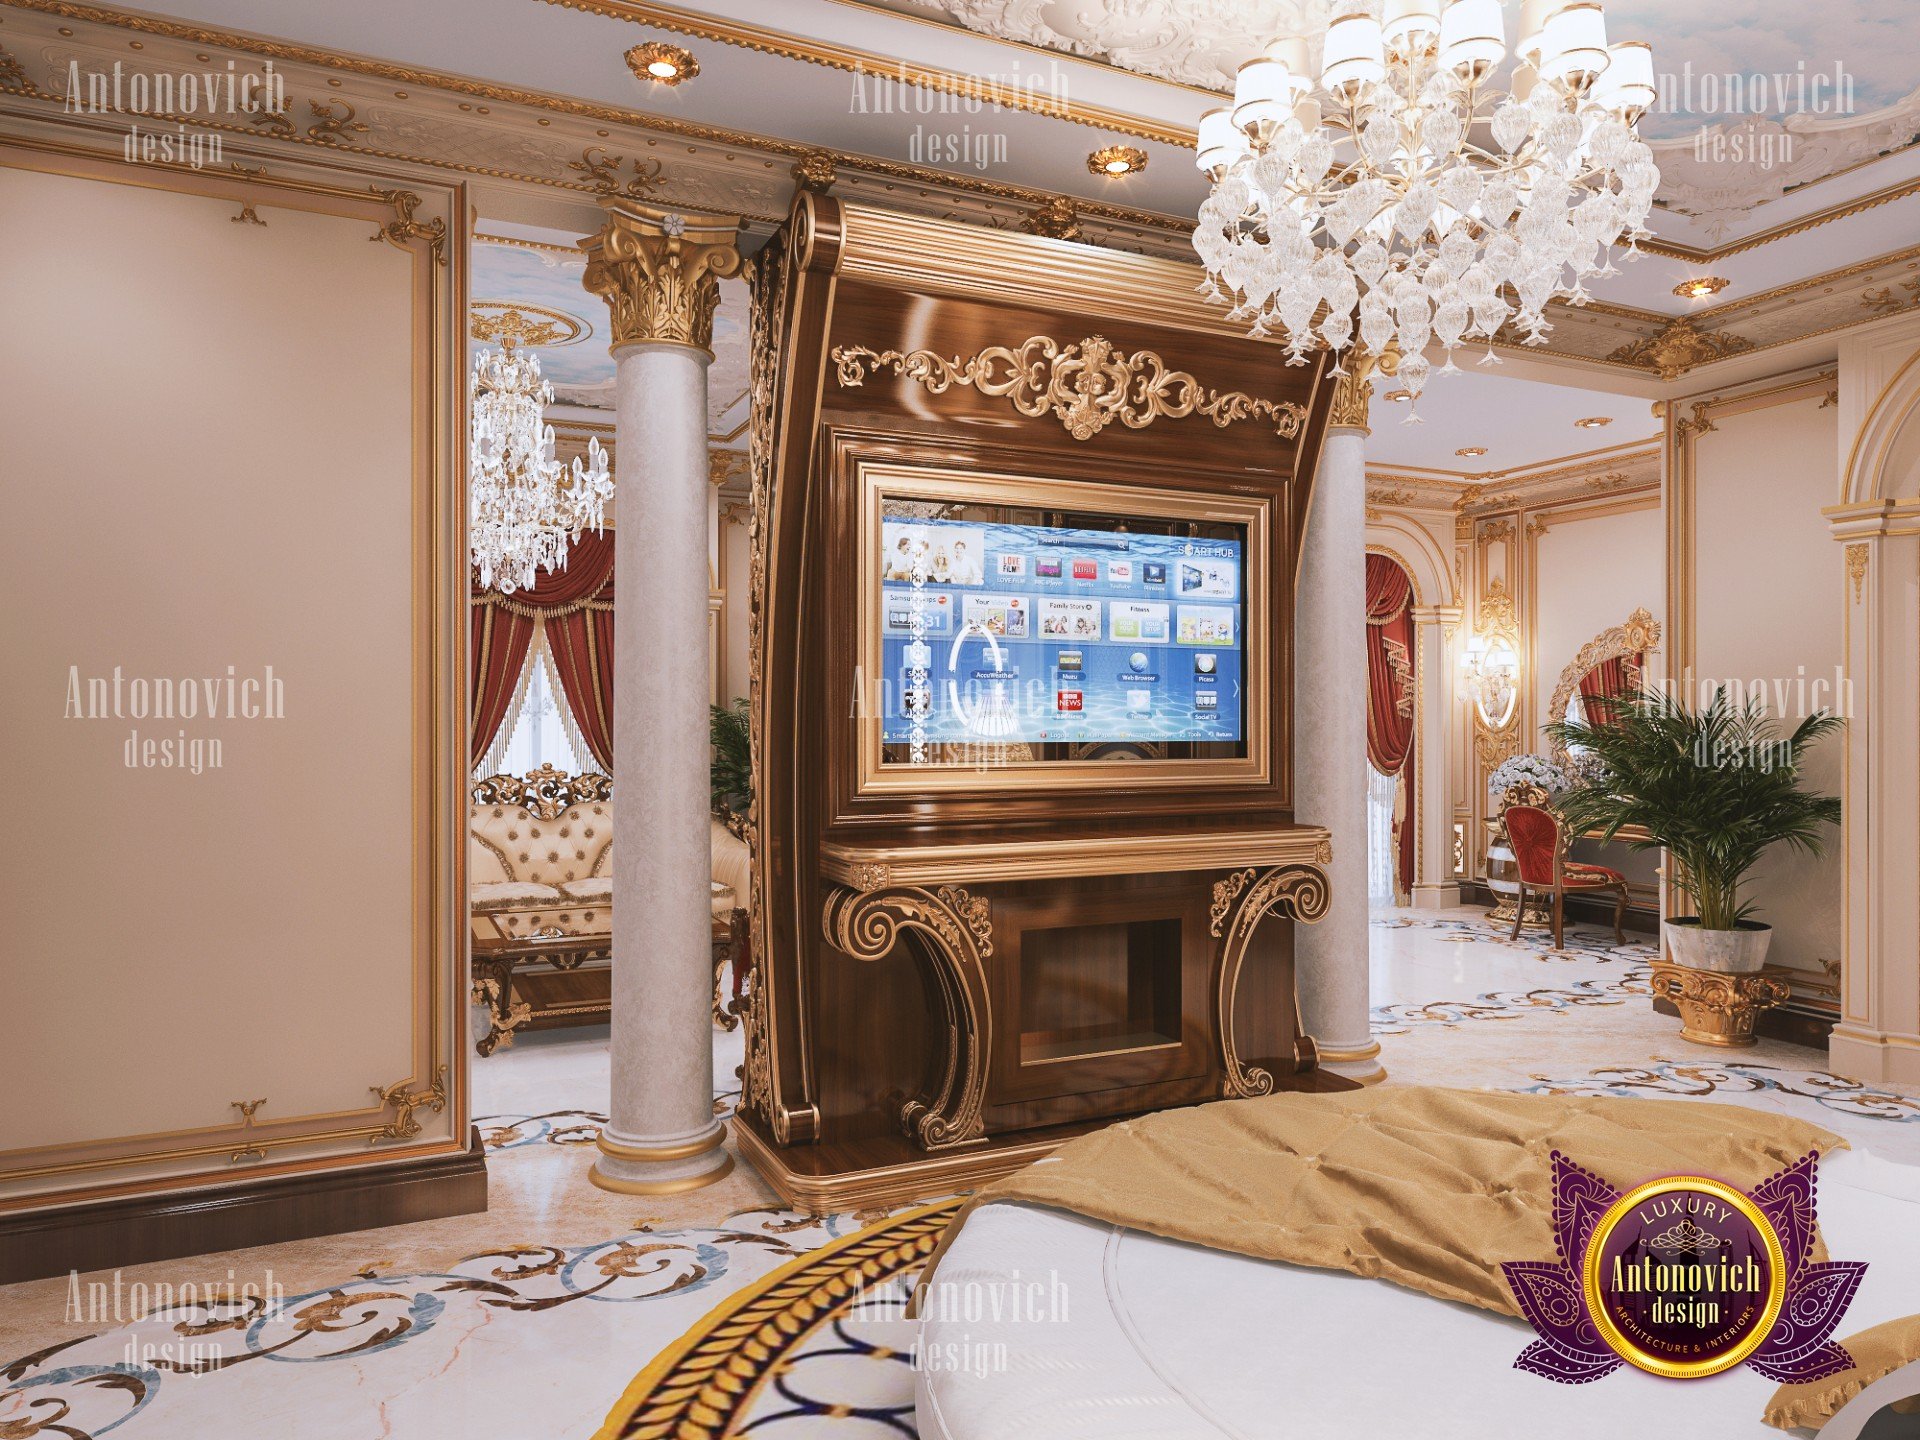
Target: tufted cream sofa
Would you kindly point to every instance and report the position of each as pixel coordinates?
(540, 889)
(540, 852)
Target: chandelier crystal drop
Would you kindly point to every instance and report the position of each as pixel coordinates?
(524, 507)
(1403, 199)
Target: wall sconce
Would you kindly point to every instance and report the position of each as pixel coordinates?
(1491, 669)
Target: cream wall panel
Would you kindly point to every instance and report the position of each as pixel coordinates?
(215, 435)
(1767, 605)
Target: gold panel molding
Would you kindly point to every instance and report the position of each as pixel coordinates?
(1086, 385)
(119, 1165)
(660, 271)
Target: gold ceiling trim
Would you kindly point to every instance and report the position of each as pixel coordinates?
(766, 41)
(1785, 230)
(1812, 282)
(563, 105)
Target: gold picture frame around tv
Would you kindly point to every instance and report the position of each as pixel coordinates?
(909, 496)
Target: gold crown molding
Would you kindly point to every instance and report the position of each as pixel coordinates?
(815, 171)
(1086, 385)
(1784, 231)
(1057, 219)
(766, 41)
(546, 247)
(604, 114)
(660, 271)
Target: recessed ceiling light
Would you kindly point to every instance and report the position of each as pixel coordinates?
(666, 64)
(1471, 452)
(1701, 288)
(1594, 422)
(1399, 397)
(1113, 161)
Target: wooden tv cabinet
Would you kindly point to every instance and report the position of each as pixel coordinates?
(966, 952)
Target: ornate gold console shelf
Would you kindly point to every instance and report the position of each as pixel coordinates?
(1053, 857)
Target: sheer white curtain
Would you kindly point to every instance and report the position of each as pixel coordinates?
(1380, 853)
(539, 729)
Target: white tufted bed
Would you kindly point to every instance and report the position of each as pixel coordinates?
(1175, 1342)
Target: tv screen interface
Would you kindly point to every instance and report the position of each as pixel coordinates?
(1044, 635)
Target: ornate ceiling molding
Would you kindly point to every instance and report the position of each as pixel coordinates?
(1681, 347)
(787, 46)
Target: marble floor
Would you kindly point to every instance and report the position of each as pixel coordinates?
(532, 1318)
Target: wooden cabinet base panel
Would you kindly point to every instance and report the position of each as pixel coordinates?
(137, 1230)
(892, 1170)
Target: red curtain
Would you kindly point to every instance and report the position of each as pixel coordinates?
(1607, 680)
(1390, 717)
(575, 605)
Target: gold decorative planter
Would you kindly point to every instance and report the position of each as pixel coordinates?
(1718, 1008)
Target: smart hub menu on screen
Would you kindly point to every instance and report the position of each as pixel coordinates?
(1050, 635)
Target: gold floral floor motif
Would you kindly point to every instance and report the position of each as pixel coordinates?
(712, 1381)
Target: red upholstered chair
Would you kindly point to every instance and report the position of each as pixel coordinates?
(1538, 855)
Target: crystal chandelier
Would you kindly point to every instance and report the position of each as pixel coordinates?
(524, 507)
(1408, 196)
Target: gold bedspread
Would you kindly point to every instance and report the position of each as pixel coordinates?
(1426, 1187)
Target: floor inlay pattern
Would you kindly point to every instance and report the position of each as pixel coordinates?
(1728, 1082)
(536, 1316)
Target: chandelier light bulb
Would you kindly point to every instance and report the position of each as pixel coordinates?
(1220, 141)
(1574, 45)
(1534, 15)
(1628, 84)
(1355, 54)
(1263, 97)
(1472, 36)
(1409, 24)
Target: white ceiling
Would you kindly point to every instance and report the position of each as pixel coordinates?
(1521, 422)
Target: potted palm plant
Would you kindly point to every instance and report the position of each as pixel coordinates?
(730, 777)
(1714, 787)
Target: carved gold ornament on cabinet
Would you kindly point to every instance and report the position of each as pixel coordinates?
(1086, 385)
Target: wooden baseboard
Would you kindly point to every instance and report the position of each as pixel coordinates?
(113, 1234)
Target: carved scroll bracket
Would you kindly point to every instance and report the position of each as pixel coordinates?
(865, 924)
(1240, 902)
(1086, 386)
(403, 1100)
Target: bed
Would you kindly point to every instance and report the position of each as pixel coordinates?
(1126, 1335)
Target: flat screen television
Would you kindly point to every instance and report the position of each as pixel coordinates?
(1042, 623)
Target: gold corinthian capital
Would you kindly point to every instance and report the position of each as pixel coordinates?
(659, 272)
(1353, 391)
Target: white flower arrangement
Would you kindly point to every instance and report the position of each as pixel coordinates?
(1533, 770)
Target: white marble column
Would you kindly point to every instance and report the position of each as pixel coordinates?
(1330, 740)
(1435, 886)
(658, 273)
